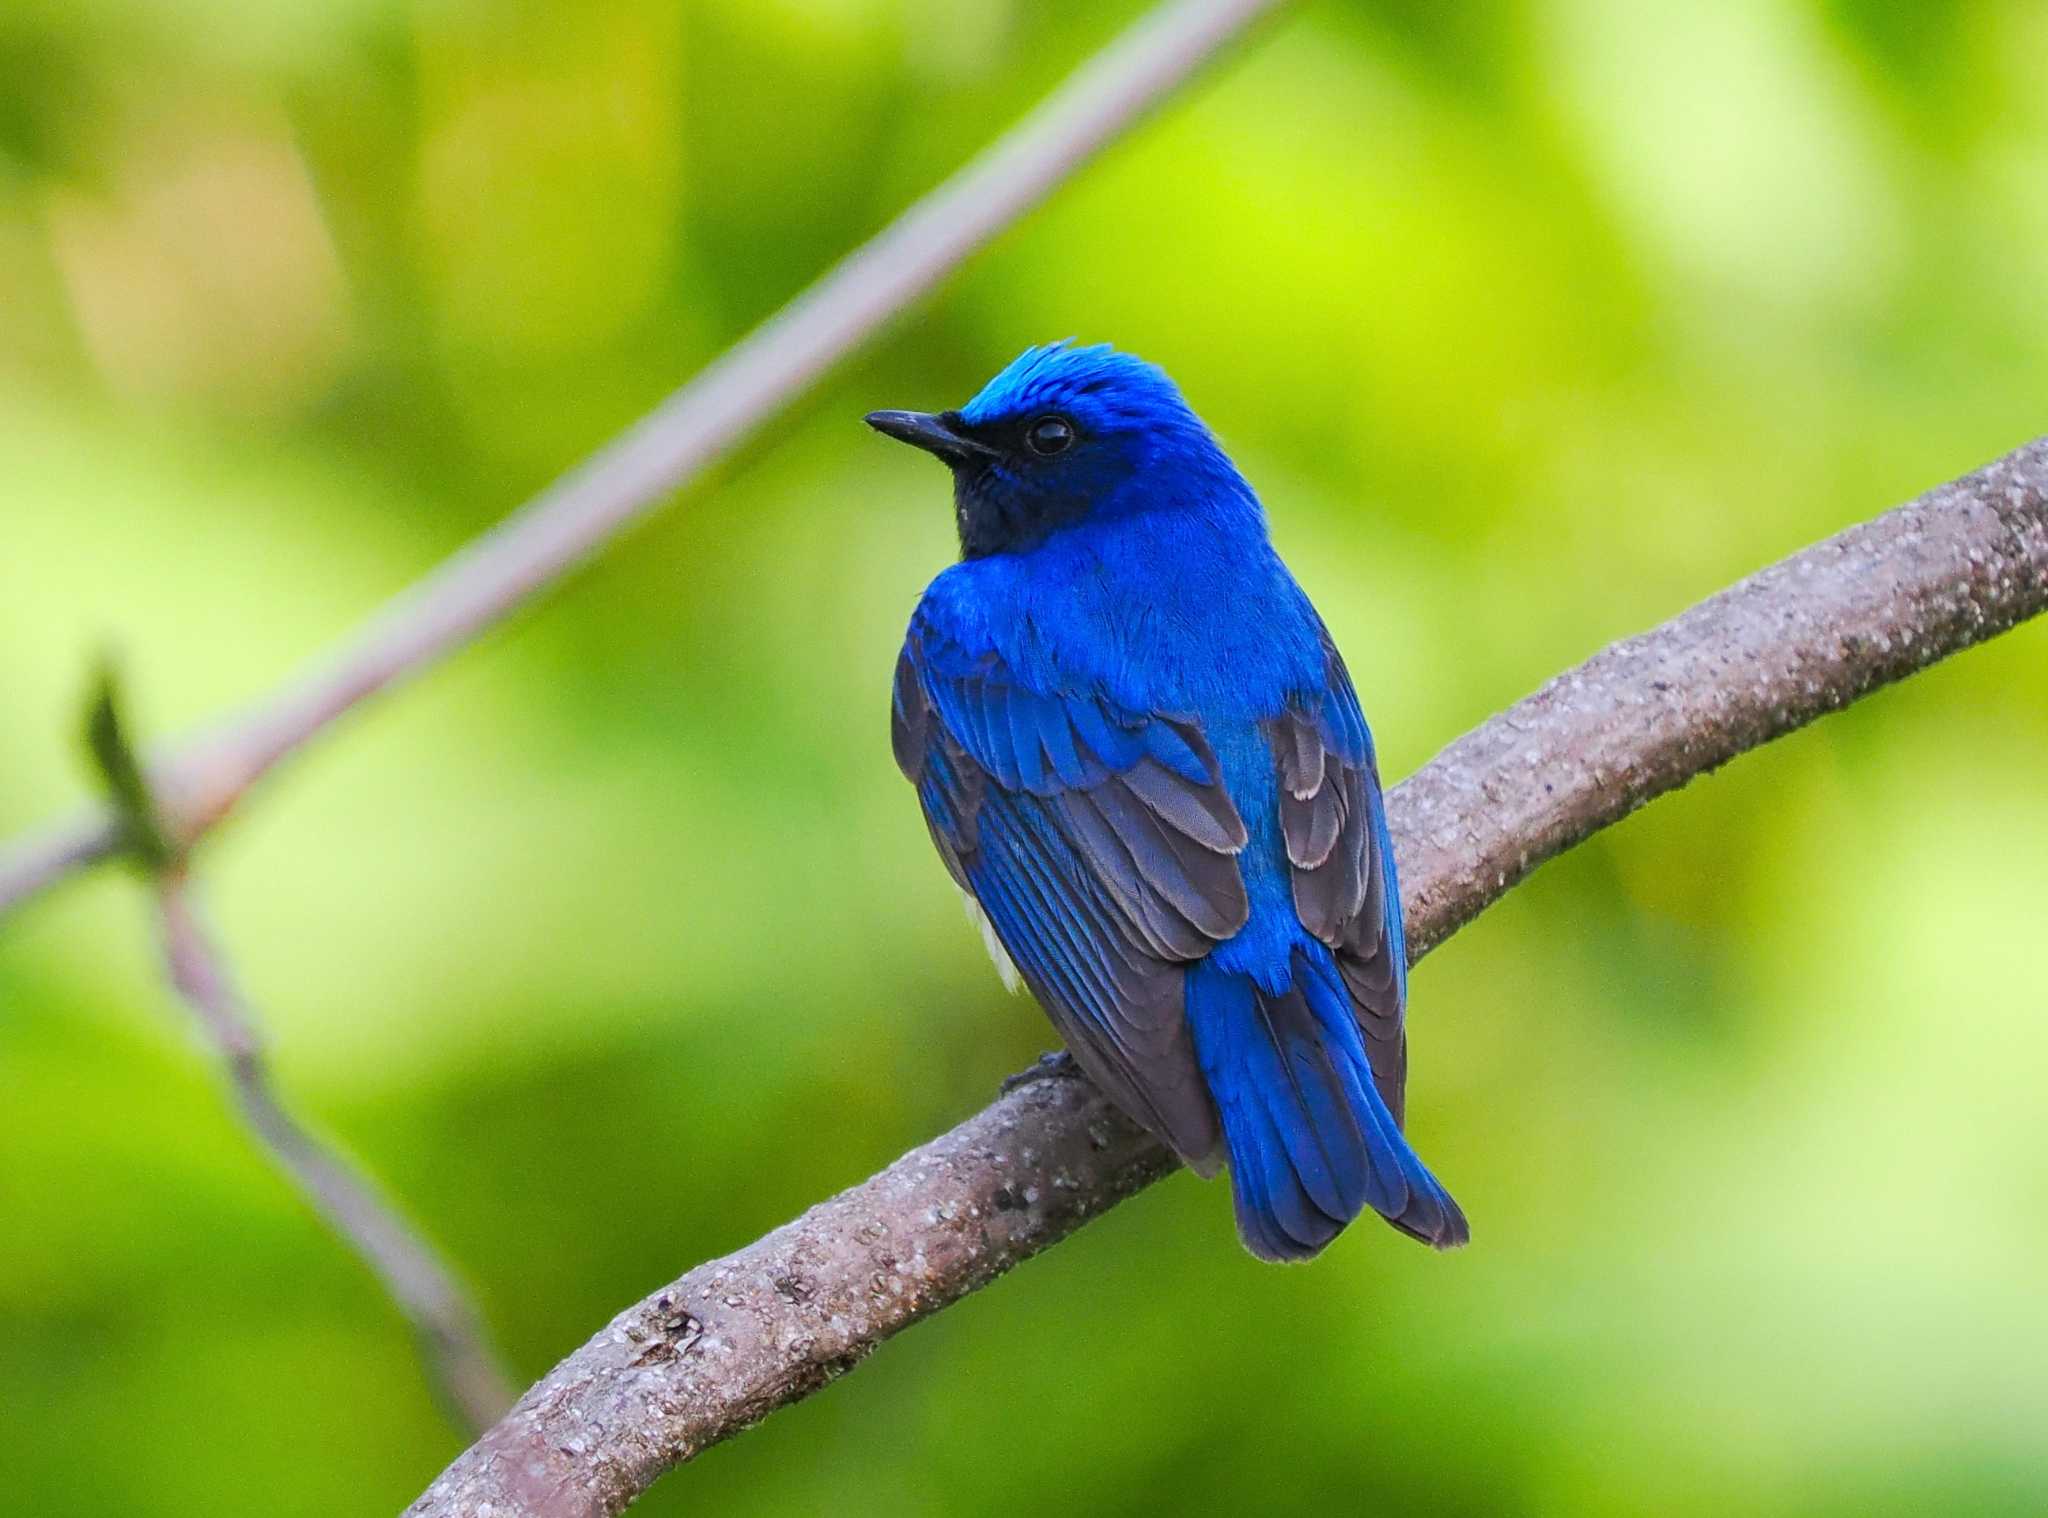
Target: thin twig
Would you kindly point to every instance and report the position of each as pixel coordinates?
(465, 1372)
(563, 526)
(34, 864)
(733, 1340)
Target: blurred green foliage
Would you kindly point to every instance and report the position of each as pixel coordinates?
(618, 941)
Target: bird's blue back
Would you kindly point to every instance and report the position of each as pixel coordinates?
(1138, 750)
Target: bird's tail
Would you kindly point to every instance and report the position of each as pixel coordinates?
(1311, 1144)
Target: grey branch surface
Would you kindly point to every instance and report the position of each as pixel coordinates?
(728, 1343)
(720, 408)
(464, 1370)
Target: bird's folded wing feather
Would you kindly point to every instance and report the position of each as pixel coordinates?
(1333, 820)
(1103, 847)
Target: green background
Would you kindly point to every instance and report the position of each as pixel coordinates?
(618, 941)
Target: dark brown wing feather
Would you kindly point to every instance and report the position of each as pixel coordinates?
(1332, 820)
(1103, 848)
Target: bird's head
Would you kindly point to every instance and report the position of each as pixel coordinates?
(1063, 434)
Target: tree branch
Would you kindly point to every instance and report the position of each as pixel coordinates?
(726, 1344)
(630, 478)
(463, 1369)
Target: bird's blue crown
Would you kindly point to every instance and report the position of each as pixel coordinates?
(1101, 388)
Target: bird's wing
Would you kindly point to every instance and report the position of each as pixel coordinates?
(1334, 821)
(1103, 847)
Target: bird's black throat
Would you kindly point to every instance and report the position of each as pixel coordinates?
(999, 514)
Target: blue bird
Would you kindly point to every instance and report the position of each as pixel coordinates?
(1141, 757)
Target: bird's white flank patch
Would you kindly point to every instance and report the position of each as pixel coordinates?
(1005, 966)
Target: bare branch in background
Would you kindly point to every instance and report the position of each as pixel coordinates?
(559, 529)
(466, 1374)
(725, 1345)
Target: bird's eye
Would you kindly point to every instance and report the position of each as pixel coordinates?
(1049, 435)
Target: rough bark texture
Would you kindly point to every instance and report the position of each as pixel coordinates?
(728, 1343)
(1963, 563)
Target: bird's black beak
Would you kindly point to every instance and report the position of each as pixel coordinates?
(939, 435)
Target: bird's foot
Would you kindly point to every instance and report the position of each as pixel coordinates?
(1057, 1066)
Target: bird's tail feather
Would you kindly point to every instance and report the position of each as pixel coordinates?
(1311, 1144)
